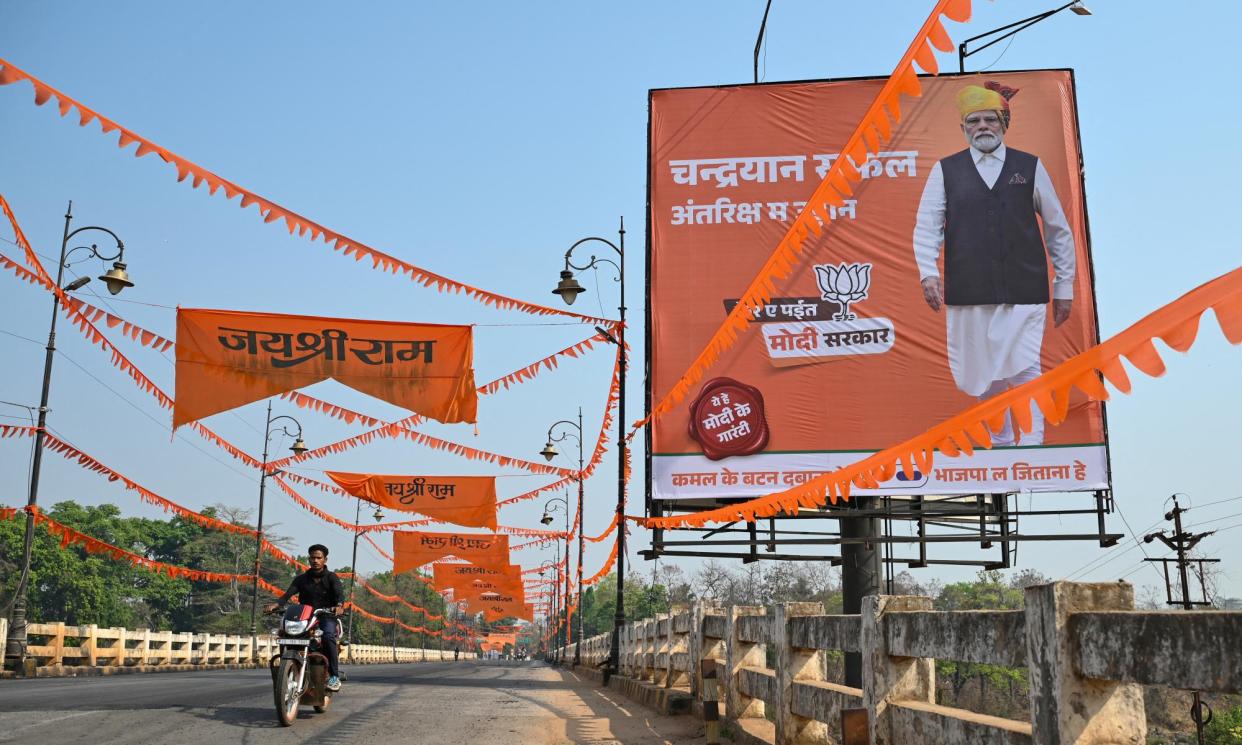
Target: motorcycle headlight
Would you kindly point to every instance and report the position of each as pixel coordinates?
(295, 627)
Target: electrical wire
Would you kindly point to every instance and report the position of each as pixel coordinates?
(162, 425)
(1136, 539)
(998, 58)
(19, 336)
(1101, 561)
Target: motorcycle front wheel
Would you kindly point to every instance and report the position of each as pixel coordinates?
(287, 693)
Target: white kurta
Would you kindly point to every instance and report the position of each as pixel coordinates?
(994, 342)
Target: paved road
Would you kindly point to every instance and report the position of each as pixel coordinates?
(421, 704)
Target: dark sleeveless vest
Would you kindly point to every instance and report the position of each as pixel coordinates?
(993, 250)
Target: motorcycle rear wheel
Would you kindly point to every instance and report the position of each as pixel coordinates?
(286, 691)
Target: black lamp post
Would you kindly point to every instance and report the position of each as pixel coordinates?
(549, 452)
(552, 610)
(353, 565)
(568, 288)
(1076, 6)
(116, 280)
(557, 504)
(298, 448)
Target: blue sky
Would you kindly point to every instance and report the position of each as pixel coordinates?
(480, 140)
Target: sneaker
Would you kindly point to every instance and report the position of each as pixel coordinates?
(334, 683)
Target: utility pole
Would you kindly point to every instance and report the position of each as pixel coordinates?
(1182, 542)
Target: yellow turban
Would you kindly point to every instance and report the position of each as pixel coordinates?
(992, 96)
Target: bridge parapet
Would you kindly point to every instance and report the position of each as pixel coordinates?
(1086, 651)
(62, 649)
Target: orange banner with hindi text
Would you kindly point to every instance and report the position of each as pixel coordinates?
(413, 548)
(226, 359)
(505, 606)
(462, 500)
(468, 577)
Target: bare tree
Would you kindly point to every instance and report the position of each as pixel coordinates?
(1149, 598)
(676, 583)
(715, 582)
(1028, 578)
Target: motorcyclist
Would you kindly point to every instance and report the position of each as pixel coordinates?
(319, 588)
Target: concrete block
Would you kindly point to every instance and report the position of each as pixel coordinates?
(887, 678)
(741, 654)
(1065, 707)
(795, 664)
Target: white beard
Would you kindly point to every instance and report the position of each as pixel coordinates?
(986, 142)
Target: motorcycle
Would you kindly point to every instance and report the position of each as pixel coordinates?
(300, 669)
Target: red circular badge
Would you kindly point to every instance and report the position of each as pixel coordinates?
(728, 419)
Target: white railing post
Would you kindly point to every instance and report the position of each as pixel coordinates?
(795, 664)
(144, 649)
(886, 678)
(742, 654)
(88, 644)
(708, 648)
(1065, 707)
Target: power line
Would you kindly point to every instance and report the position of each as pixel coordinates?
(147, 414)
(1135, 537)
(1102, 561)
(19, 336)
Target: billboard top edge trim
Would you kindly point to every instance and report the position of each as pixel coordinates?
(854, 79)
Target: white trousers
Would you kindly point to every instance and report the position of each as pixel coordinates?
(1006, 435)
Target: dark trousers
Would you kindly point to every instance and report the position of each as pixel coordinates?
(331, 632)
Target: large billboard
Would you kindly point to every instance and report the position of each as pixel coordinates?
(956, 270)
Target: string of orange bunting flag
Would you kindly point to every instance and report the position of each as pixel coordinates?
(226, 359)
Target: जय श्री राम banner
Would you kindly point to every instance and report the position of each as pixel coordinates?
(227, 359)
(463, 500)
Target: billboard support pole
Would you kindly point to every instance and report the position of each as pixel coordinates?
(860, 571)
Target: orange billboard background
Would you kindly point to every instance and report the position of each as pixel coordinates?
(715, 215)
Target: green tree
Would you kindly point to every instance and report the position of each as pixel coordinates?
(1225, 728)
(71, 585)
(599, 603)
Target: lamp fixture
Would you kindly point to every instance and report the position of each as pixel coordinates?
(568, 288)
(116, 278)
(77, 284)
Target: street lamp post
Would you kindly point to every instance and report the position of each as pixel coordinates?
(353, 568)
(549, 452)
(1075, 5)
(298, 448)
(549, 653)
(116, 280)
(548, 508)
(568, 288)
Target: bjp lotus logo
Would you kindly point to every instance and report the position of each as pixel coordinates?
(844, 284)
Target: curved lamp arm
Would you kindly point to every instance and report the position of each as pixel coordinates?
(561, 437)
(594, 259)
(94, 249)
(284, 429)
(554, 500)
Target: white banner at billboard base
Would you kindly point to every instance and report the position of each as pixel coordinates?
(1016, 469)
